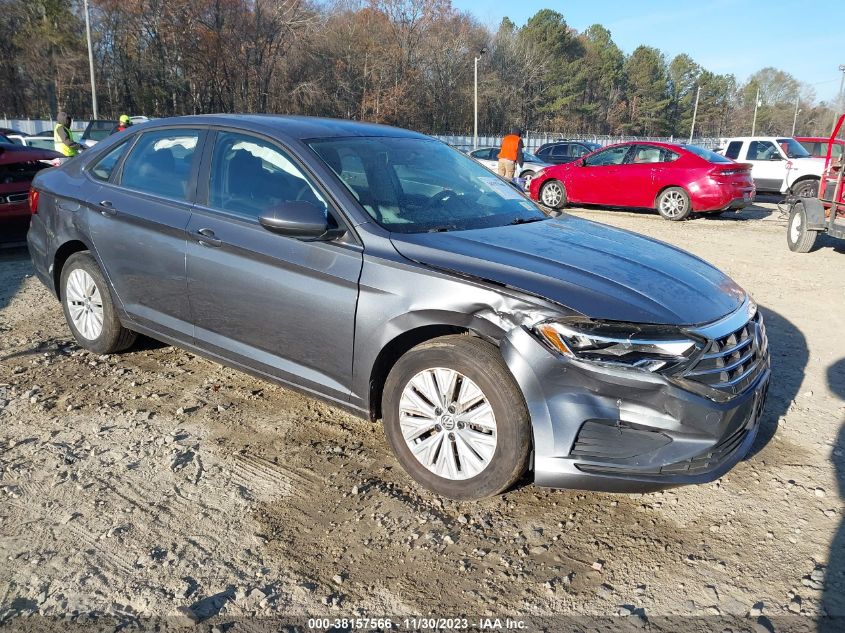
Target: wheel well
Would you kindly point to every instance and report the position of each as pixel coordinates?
(805, 177)
(394, 350)
(62, 254)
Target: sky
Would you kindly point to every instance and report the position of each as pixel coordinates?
(803, 37)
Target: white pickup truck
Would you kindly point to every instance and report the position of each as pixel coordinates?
(778, 164)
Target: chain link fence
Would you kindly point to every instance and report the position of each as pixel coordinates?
(532, 140)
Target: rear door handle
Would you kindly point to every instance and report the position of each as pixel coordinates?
(107, 208)
(206, 238)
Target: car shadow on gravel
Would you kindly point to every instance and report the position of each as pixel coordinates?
(833, 597)
(789, 353)
(10, 280)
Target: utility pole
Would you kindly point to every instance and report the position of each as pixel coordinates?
(694, 114)
(90, 60)
(797, 111)
(475, 129)
(839, 104)
(756, 105)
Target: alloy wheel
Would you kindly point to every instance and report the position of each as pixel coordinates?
(85, 304)
(552, 194)
(673, 204)
(448, 423)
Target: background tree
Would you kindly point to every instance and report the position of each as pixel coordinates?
(402, 62)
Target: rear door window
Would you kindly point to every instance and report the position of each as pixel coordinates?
(762, 150)
(646, 154)
(161, 163)
(733, 149)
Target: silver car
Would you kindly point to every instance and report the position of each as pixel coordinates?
(393, 276)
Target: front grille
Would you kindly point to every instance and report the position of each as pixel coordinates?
(731, 362)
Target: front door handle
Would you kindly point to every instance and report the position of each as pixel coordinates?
(206, 238)
(107, 208)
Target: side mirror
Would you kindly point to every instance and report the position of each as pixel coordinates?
(776, 157)
(299, 219)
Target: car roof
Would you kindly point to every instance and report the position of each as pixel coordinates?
(819, 139)
(298, 127)
(756, 138)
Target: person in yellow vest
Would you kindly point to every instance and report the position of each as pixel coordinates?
(63, 137)
(510, 155)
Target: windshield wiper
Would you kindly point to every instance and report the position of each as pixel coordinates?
(525, 220)
(442, 229)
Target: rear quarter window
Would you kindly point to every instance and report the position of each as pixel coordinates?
(103, 168)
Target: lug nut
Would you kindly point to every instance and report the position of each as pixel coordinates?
(438, 411)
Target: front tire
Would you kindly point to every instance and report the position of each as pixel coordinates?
(88, 307)
(674, 204)
(456, 419)
(806, 188)
(798, 238)
(553, 194)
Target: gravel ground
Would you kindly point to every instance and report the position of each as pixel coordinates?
(155, 483)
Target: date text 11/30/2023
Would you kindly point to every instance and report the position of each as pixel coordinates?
(418, 624)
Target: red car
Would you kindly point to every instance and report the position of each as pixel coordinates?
(674, 179)
(18, 166)
(818, 146)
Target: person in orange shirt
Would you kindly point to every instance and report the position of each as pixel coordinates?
(510, 155)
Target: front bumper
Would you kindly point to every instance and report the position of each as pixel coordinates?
(620, 430)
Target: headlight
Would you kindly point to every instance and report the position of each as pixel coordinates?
(649, 347)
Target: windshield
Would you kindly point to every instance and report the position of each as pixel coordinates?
(706, 154)
(792, 148)
(411, 185)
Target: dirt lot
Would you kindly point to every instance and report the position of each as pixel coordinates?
(156, 483)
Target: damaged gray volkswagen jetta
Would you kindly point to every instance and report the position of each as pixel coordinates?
(391, 275)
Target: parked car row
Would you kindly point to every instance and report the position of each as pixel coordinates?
(489, 157)
(386, 273)
(676, 180)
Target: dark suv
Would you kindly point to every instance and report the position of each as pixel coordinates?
(560, 152)
(393, 276)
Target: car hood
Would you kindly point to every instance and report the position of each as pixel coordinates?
(596, 270)
(20, 154)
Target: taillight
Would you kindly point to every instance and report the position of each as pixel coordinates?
(33, 200)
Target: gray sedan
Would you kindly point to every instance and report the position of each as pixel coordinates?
(388, 274)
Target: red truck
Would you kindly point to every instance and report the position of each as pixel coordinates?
(826, 214)
(818, 146)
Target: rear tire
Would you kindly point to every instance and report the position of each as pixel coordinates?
(799, 239)
(456, 419)
(88, 307)
(674, 204)
(806, 188)
(553, 194)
